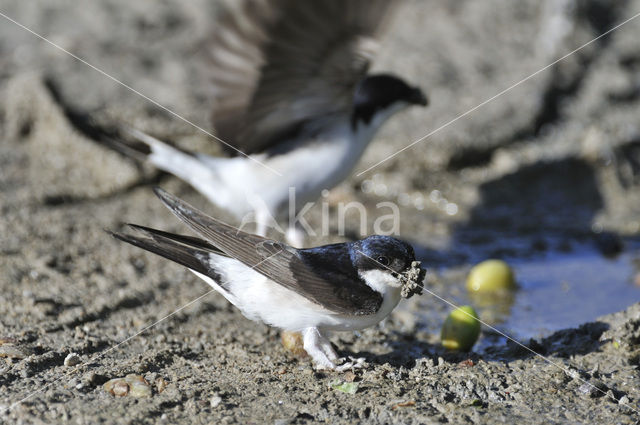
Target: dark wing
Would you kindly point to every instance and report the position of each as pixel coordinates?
(278, 63)
(185, 250)
(279, 262)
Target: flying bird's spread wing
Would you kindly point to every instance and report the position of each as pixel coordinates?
(278, 63)
(279, 262)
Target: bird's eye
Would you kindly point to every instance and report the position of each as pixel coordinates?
(383, 260)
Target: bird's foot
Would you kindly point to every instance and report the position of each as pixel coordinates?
(324, 356)
(352, 363)
(341, 365)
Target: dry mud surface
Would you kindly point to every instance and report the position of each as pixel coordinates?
(561, 151)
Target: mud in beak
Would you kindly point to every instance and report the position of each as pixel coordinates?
(412, 280)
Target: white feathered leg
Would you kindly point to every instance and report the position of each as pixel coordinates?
(319, 348)
(323, 354)
(295, 236)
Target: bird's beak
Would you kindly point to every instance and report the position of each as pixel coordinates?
(418, 98)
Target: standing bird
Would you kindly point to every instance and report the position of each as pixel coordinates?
(339, 287)
(292, 101)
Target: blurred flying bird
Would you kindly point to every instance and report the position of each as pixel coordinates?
(292, 100)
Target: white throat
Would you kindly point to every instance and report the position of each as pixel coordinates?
(380, 280)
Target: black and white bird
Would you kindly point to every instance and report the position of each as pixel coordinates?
(292, 100)
(339, 287)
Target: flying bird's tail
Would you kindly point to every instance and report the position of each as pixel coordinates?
(202, 172)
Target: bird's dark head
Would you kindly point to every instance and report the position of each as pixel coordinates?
(383, 253)
(382, 262)
(377, 97)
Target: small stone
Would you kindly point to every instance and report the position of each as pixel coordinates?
(133, 385)
(215, 401)
(12, 352)
(138, 386)
(623, 400)
(72, 359)
(120, 389)
(409, 403)
(593, 389)
(161, 384)
(293, 343)
(349, 376)
(108, 386)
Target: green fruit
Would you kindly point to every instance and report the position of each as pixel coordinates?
(461, 329)
(491, 276)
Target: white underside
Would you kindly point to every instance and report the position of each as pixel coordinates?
(263, 300)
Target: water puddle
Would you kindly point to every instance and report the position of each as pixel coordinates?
(557, 290)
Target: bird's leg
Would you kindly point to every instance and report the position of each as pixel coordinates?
(327, 348)
(262, 221)
(319, 348)
(295, 236)
(323, 354)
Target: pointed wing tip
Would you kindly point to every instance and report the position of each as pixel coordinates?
(124, 236)
(121, 236)
(160, 192)
(114, 233)
(170, 201)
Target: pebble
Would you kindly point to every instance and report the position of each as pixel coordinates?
(293, 343)
(349, 376)
(161, 384)
(593, 389)
(133, 385)
(215, 401)
(13, 352)
(120, 388)
(72, 359)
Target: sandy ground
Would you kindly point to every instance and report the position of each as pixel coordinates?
(557, 156)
